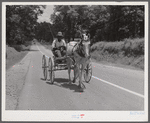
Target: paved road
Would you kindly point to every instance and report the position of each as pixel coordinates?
(110, 88)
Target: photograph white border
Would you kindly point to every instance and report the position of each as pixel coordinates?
(40, 115)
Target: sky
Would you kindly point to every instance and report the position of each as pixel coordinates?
(46, 14)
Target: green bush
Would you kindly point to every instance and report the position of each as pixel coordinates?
(17, 47)
(128, 52)
(22, 47)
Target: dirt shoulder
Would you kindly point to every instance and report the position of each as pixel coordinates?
(105, 63)
(17, 63)
(15, 78)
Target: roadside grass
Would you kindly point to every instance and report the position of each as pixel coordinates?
(22, 47)
(128, 52)
(15, 53)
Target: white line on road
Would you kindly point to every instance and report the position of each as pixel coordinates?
(117, 86)
(39, 49)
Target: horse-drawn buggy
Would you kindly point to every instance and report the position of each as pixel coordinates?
(76, 58)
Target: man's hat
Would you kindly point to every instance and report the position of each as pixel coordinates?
(60, 34)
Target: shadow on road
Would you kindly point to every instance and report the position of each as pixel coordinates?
(71, 87)
(43, 79)
(48, 82)
(56, 80)
(62, 82)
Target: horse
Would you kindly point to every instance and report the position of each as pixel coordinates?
(79, 57)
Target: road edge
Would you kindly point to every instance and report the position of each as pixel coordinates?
(15, 78)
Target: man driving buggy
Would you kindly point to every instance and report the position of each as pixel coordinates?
(59, 45)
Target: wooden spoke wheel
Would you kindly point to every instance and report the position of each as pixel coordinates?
(51, 70)
(44, 67)
(87, 72)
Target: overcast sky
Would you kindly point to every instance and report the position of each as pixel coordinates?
(46, 14)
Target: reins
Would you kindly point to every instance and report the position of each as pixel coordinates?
(79, 50)
(74, 47)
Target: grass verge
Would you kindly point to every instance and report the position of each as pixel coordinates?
(15, 53)
(128, 52)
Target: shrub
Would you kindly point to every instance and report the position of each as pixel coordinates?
(128, 52)
(17, 47)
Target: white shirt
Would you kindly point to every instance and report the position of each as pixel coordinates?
(57, 44)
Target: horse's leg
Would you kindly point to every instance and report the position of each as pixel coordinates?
(80, 76)
(82, 70)
(69, 75)
(69, 69)
(75, 74)
(81, 85)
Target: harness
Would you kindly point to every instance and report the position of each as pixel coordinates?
(78, 49)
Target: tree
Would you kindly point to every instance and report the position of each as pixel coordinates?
(43, 31)
(20, 22)
(105, 23)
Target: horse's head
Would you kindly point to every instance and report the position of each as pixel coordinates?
(85, 46)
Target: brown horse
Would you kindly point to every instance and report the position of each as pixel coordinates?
(79, 56)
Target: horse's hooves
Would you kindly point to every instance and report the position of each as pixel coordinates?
(73, 81)
(81, 89)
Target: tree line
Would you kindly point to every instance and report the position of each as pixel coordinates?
(21, 21)
(103, 22)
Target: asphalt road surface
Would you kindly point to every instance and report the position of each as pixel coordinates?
(111, 88)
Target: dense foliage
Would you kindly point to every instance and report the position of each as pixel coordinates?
(105, 23)
(44, 32)
(127, 52)
(21, 21)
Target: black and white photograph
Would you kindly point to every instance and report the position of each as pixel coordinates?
(75, 61)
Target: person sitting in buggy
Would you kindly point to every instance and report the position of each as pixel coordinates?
(59, 46)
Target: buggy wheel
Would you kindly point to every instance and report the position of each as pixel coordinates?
(44, 67)
(51, 70)
(87, 72)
